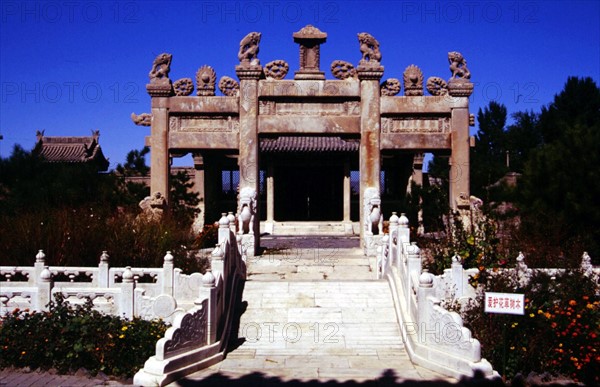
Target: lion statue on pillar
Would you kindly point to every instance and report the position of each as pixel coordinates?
(247, 211)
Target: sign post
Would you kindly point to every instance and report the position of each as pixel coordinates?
(504, 303)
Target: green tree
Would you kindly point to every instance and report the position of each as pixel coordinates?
(561, 181)
(523, 136)
(489, 154)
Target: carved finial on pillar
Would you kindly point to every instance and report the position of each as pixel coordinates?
(413, 81)
(248, 54)
(459, 84)
(206, 79)
(160, 84)
(369, 47)
(310, 38)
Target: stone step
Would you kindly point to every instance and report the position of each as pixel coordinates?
(315, 330)
(322, 262)
(336, 228)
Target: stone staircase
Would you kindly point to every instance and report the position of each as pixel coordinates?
(314, 314)
(310, 228)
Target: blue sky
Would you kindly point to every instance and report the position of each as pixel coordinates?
(69, 67)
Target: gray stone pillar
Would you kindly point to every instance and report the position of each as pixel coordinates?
(370, 128)
(249, 151)
(347, 191)
(270, 223)
(199, 188)
(159, 155)
(459, 160)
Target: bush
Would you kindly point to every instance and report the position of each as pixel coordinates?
(558, 333)
(71, 337)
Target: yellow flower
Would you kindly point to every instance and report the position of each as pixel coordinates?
(124, 328)
(514, 324)
(121, 336)
(540, 311)
(531, 315)
(524, 349)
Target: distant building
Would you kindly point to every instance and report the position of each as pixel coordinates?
(71, 150)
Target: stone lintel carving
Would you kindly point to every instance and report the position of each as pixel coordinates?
(369, 48)
(160, 84)
(229, 86)
(372, 212)
(413, 81)
(246, 210)
(196, 124)
(390, 87)
(276, 69)
(310, 38)
(437, 86)
(248, 53)
(341, 69)
(183, 87)
(415, 124)
(206, 79)
(144, 119)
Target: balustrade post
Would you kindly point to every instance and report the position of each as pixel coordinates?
(168, 274)
(413, 265)
(103, 271)
(127, 294)
(44, 293)
(424, 291)
(403, 229)
(457, 276)
(232, 225)
(224, 228)
(208, 291)
(38, 267)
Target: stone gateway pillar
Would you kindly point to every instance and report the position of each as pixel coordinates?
(160, 89)
(369, 73)
(249, 72)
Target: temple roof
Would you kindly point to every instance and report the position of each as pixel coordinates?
(308, 144)
(71, 150)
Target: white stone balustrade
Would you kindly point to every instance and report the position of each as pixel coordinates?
(141, 292)
(198, 338)
(434, 337)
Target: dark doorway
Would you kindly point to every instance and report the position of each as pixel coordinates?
(304, 193)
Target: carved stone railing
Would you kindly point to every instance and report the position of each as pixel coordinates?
(434, 337)
(129, 292)
(198, 338)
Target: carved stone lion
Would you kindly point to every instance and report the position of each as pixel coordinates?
(144, 119)
(372, 212)
(369, 47)
(247, 210)
(248, 53)
(458, 65)
(160, 68)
